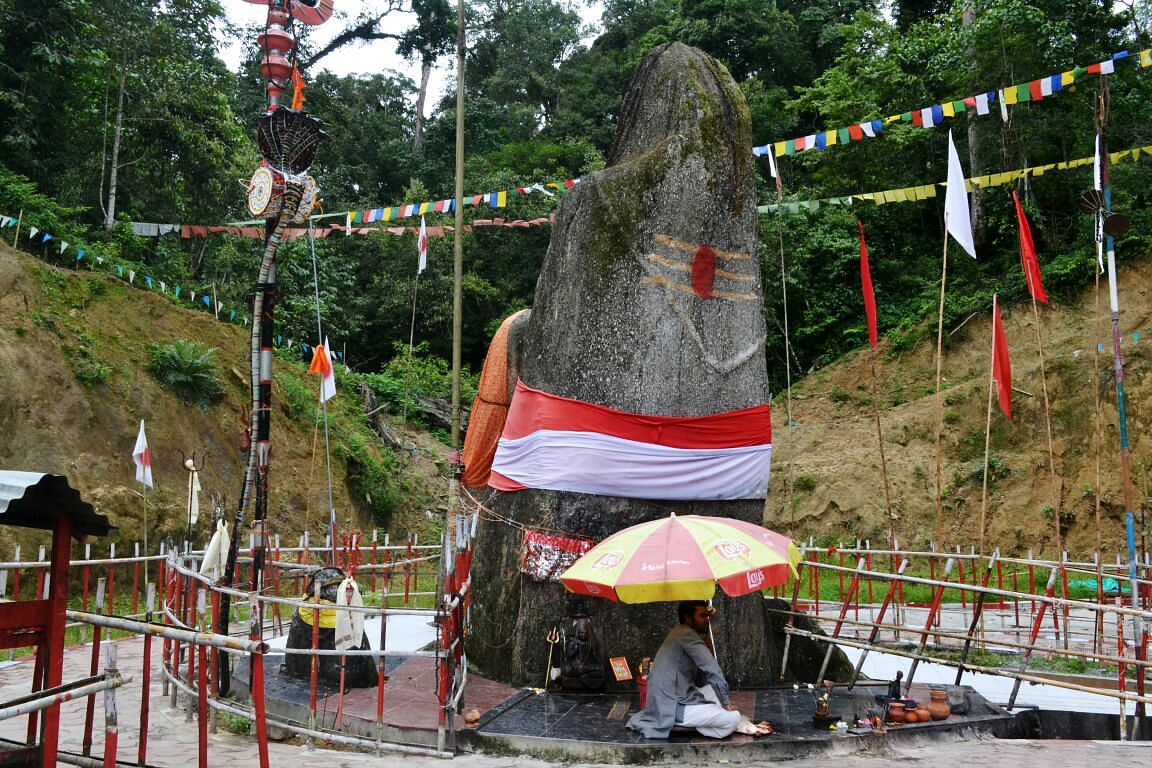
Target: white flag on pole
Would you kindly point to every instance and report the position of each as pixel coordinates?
(1097, 177)
(957, 218)
(142, 459)
(422, 245)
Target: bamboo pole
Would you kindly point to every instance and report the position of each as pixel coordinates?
(411, 342)
(977, 616)
(1056, 500)
(939, 529)
(988, 427)
(878, 623)
(1037, 622)
(852, 587)
(932, 612)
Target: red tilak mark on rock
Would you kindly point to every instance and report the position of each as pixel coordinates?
(704, 272)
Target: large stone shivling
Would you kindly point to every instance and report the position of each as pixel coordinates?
(648, 310)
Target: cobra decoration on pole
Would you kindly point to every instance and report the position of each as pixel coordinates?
(282, 193)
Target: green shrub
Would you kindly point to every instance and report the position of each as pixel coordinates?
(188, 368)
(805, 483)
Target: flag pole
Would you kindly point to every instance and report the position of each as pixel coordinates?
(324, 400)
(411, 342)
(1097, 447)
(144, 496)
(870, 316)
(939, 410)
(1048, 427)
(988, 428)
(787, 375)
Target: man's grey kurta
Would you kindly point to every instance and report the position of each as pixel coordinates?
(682, 664)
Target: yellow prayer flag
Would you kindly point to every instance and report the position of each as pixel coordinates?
(1067, 78)
(1146, 58)
(501, 199)
(949, 110)
(778, 148)
(1008, 95)
(424, 208)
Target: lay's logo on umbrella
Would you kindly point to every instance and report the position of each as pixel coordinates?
(607, 561)
(730, 549)
(755, 579)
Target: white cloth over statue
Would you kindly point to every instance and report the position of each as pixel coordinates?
(349, 624)
(216, 554)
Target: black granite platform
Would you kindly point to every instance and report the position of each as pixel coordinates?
(593, 727)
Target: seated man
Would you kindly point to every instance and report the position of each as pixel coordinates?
(685, 684)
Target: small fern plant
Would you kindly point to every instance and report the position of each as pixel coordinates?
(188, 368)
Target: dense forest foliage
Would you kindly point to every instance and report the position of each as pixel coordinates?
(541, 106)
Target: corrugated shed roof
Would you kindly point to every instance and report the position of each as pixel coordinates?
(37, 500)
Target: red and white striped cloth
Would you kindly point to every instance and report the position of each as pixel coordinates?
(559, 444)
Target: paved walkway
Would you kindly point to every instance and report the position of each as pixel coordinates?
(172, 741)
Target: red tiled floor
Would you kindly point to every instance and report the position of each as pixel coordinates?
(410, 697)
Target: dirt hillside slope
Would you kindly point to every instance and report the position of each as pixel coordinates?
(73, 361)
(832, 455)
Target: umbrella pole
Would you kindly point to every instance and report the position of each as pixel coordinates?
(711, 637)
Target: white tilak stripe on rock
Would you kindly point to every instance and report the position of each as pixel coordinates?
(588, 462)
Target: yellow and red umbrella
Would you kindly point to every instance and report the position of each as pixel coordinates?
(683, 558)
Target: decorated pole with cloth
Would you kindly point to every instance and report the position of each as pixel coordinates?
(1109, 224)
(142, 458)
(281, 193)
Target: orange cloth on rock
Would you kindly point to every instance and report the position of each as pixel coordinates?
(489, 410)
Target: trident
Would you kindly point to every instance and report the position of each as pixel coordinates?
(553, 638)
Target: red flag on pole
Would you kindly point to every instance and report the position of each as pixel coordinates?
(1001, 365)
(1028, 254)
(866, 285)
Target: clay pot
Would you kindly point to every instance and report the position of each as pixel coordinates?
(922, 714)
(938, 708)
(896, 713)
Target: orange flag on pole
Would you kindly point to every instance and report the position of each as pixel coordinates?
(322, 365)
(1028, 254)
(1001, 365)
